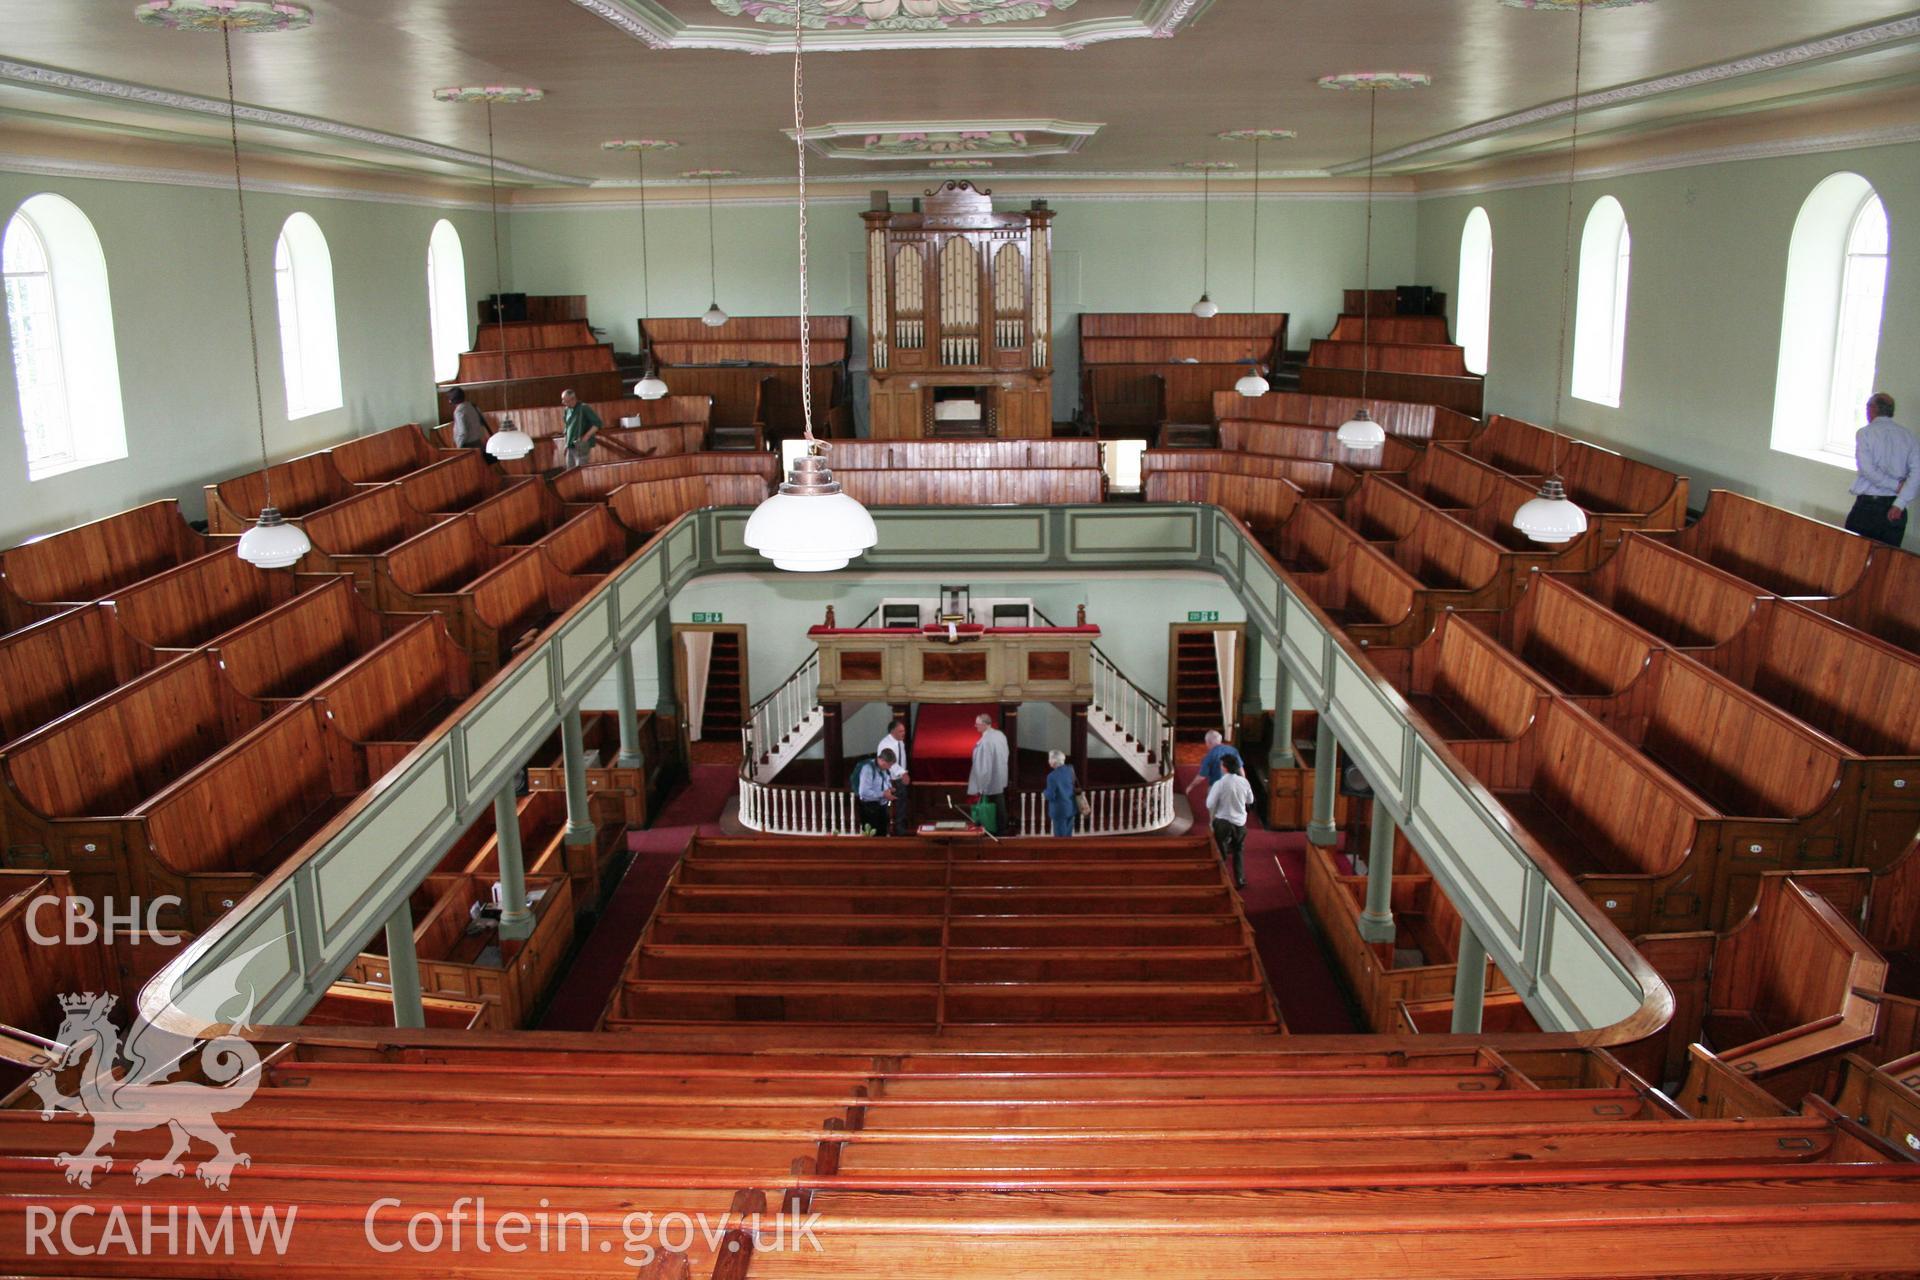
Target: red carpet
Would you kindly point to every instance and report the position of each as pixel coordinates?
(941, 749)
(693, 810)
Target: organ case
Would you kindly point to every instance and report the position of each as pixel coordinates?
(960, 304)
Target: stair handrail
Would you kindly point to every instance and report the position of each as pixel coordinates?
(749, 756)
(1150, 709)
(1112, 811)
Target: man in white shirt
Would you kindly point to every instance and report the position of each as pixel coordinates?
(988, 776)
(895, 741)
(1888, 459)
(1227, 802)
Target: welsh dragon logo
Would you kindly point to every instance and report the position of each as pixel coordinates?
(125, 1088)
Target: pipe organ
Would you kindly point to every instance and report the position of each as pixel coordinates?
(959, 310)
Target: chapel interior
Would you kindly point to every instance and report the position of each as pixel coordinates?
(1341, 511)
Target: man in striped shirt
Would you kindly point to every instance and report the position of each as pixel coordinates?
(1888, 458)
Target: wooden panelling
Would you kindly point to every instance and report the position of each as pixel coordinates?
(385, 455)
(38, 971)
(288, 650)
(975, 487)
(541, 362)
(522, 392)
(1573, 641)
(1428, 330)
(646, 506)
(527, 335)
(457, 483)
(598, 482)
(1319, 444)
(92, 561)
(1270, 325)
(1683, 601)
(299, 487)
(1464, 684)
(1207, 350)
(1886, 602)
(1324, 480)
(882, 455)
(398, 690)
(1782, 553)
(186, 607)
(1264, 502)
(51, 667)
(350, 536)
(1115, 396)
(1440, 360)
(1462, 395)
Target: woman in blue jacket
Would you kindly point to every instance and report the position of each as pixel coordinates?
(1061, 810)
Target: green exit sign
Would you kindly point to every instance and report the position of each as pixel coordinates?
(709, 617)
(1193, 615)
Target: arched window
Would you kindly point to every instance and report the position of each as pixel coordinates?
(1600, 318)
(446, 299)
(60, 321)
(1473, 314)
(1830, 329)
(309, 341)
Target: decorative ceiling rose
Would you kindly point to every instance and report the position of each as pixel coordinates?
(1568, 6)
(1250, 135)
(502, 93)
(890, 15)
(1209, 166)
(639, 144)
(1376, 80)
(922, 139)
(709, 175)
(961, 164)
(232, 15)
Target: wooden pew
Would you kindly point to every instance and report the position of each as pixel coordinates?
(300, 487)
(1264, 502)
(1794, 988)
(63, 662)
(36, 974)
(1618, 492)
(1417, 422)
(1781, 553)
(458, 483)
(548, 421)
(355, 1004)
(1886, 601)
(511, 395)
(1419, 964)
(1325, 481)
(1570, 640)
(394, 695)
(521, 514)
(597, 483)
(1687, 603)
(1786, 796)
(975, 487)
(1886, 1098)
(1456, 567)
(217, 832)
(91, 561)
(617, 795)
(1463, 683)
(510, 976)
(1618, 823)
(920, 455)
(493, 598)
(494, 365)
(531, 335)
(288, 650)
(1359, 586)
(187, 607)
(1126, 399)
(1318, 444)
(1438, 360)
(72, 785)
(1393, 328)
(647, 506)
(1451, 480)
(588, 547)
(349, 537)
(1463, 395)
(385, 455)
(1859, 691)
(1143, 371)
(750, 367)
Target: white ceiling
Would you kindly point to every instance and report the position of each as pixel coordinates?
(355, 88)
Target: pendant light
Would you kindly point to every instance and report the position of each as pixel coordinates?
(1206, 308)
(1550, 518)
(1253, 384)
(714, 316)
(1361, 432)
(270, 542)
(509, 443)
(651, 385)
(810, 525)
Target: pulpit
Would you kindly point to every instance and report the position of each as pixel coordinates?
(959, 299)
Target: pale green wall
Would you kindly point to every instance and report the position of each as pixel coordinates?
(173, 268)
(1109, 255)
(1703, 321)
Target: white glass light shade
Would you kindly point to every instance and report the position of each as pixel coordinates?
(1550, 518)
(1206, 308)
(272, 543)
(650, 387)
(509, 443)
(1361, 432)
(1252, 386)
(809, 526)
(714, 317)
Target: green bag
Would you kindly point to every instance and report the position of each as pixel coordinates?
(986, 816)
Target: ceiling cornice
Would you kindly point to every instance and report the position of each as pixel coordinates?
(112, 171)
(657, 28)
(59, 80)
(1843, 44)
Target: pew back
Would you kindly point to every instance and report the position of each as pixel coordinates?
(1264, 502)
(286, 651)
(1409, 421)
(1327, 480)
(975, 487)
(881, 455)
(299, 487)
(457, 483)
(598, 482)
(397, 691)
(1686, 602)
(186, 607)
(63, 662)
(1319, 444)
(646, 506)
(1782, 553)
(94, 560)
(385, 455)
(1443, 360)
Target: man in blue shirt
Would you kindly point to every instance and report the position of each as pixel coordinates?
(873, 791)
(1888, 458)
(1218, 749)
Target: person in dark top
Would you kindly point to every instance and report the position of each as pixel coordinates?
(470, 428)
